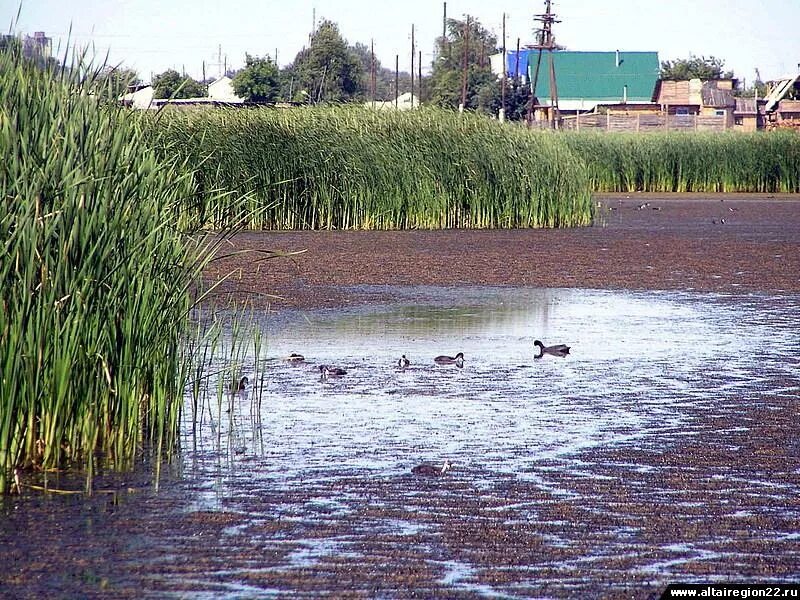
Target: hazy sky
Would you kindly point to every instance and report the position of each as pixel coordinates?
(154, 35)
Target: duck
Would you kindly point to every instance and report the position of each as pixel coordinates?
(457, 360)
(430, 470)
(328, 371)
(403, 362)
(241, 386)
(557, 350)
(294, 357)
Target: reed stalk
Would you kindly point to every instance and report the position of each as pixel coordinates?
(95, 276)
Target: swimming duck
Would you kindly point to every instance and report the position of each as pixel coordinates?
(241, 386)
(403, 362)
(556, 350)
(457, 360)
(295, 358)
(328, 371)
(430, 470)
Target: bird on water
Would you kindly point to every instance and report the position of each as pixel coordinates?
(457, 360)
(403, 362)
(430, 470)
(556, 350)
(240, 386)
(327, 371)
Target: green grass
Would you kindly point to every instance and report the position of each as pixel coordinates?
(95, 277)
(354, 168)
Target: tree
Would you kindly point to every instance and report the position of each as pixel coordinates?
(259, 81)
(328, 70)
(474, 44)
(384, 77)
(171, 84)
(114, 81)
(694, 67)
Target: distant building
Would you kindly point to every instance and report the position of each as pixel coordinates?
(588, 80)
(405, 101)
(37, 47)
(782, 104)
(220, 93)
(139, 97)
(222, 90)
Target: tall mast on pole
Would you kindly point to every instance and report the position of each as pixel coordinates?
(545, 42)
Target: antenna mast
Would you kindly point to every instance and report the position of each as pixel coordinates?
(545, 41)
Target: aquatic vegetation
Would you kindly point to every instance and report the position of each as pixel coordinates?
(690, 162)
(95, 275)
(355, 168)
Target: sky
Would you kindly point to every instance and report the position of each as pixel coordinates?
(151, 36)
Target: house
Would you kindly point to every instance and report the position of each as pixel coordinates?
(405, 101)
(220, 93)
(712, 98)
(748, 114)
(782, 104)
(139, 97)
(221, 90)
(586, 81)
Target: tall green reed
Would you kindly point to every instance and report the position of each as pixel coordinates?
(95, 276)
(354, 168)
(690, 162)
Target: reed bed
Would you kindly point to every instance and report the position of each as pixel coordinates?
(690, 162)
(95, 277)
(355, 168)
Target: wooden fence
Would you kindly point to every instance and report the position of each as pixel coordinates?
(645, 122)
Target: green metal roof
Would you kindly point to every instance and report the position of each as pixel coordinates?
(597, 75)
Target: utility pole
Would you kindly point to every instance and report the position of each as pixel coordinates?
(505, 69)
(413, 52)
(546, 42)
(372, 81)
(465, 66)
(396, 79)
(444, 32)
(419, 85)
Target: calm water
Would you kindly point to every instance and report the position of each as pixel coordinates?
(642, 367)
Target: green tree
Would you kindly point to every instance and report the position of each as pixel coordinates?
(384, 77)
(258, 81)
(328, 70)
(694, 67)
(115, 80)
(171, 84)
(466, 40)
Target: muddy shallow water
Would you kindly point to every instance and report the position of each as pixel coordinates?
(663, 449)
(660, 450)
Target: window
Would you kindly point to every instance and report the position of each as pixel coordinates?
(682, 110)
(719, 113)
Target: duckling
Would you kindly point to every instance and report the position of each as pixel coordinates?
(295, 358)
(457, 360)
(557, 350)
(430, 470)
(403, 362)
(328, 371)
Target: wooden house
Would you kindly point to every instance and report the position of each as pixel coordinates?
(588, 81)
(782, 104)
